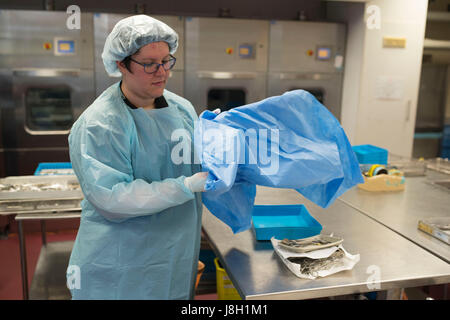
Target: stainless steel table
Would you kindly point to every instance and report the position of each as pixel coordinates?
(401, 211)
(23, 252)
(258, 273)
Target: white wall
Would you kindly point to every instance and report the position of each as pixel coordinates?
(353, 15)
(388, 123)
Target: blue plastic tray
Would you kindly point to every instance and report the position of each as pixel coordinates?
(52, 165)
(369, 154)
(284, 222)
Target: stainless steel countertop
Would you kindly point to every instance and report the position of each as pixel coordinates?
(258, 273)
(401, 211)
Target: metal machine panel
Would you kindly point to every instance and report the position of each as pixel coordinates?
(103, 25)
(28, 38)
(226, 62)
(47, 80)
(309, 56)
(297, 46)
(226, 44)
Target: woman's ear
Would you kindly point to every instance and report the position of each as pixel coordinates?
(121, 66)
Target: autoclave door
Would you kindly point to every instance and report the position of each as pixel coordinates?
(325, 87)
(212, 91)
(226, 62)
(45, 104)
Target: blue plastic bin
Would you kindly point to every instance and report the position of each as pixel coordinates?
(446, 137)
(445, 153)
(369, 154)
(284, 222)
(52, 165)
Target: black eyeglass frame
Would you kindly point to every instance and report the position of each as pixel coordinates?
(145, 65)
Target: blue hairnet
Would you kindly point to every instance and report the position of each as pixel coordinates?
(132, 33)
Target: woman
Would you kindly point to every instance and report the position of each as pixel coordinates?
(139, 234)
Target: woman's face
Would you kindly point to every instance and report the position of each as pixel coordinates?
(142, 84)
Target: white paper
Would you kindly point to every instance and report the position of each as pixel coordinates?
(338, 61)
(346, 263)
(389, 87)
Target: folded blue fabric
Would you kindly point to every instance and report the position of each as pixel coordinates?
(288, 141)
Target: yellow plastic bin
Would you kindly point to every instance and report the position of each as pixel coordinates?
(225, 288)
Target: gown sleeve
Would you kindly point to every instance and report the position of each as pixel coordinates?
(100, 156)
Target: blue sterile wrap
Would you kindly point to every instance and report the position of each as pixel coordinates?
(305, 149)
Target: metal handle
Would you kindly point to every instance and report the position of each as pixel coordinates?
(304, 76)
(408, 110)
(46, 133)
(38, 72)
(226, 75)
(14, 207)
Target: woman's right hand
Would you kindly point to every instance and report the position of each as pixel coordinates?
(196, 182)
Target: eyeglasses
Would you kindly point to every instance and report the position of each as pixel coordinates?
(151, 68)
